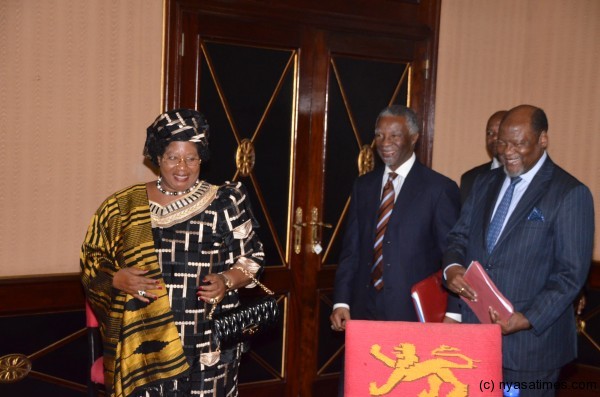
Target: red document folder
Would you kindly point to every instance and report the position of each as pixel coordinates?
(430, 298)
(487, 295)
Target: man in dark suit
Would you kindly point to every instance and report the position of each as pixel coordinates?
(491, 134)
(538, 258)
(378, 267)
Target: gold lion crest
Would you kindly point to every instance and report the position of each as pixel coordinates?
(438, 370)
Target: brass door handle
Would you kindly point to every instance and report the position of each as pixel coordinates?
(316, 226)
(298, 225)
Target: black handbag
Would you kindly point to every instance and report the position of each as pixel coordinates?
(246, 320)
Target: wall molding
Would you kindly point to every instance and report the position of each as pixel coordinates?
(40, 294)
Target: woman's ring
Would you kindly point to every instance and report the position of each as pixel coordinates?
(142, 292)
(212, 301)
(333, 327)
(461, 290)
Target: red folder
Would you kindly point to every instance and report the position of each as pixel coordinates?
(488, 295)
(430, 298)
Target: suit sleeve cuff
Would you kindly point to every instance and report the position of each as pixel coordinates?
(448, 267)
(455, 316)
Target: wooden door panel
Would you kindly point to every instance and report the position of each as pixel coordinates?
(358, 89)
(252, 105)
(360, 85)
(251, 90)
(249, 94)
(291, 90)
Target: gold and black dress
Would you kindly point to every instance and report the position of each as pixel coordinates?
(205, 231)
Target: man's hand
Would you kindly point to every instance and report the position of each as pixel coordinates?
(457, 284)
(338, 319)
(515, 323)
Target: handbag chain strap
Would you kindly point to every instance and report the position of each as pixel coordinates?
(249, 275)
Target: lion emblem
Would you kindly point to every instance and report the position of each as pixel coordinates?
(407, 368)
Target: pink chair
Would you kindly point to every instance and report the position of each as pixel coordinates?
(95, 360)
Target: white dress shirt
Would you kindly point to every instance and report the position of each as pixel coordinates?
(495, 163)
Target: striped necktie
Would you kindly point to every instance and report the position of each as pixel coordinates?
(498, 219)
(383, 216)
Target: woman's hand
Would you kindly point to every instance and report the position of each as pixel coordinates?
(133, 281)
(213, 288)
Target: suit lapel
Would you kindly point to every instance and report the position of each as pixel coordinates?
(536, 189)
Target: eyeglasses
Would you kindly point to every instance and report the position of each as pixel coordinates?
(174, 161)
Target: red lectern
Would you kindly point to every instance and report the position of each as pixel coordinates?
(394, 358)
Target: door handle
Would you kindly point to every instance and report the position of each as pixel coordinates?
(298, 225)
(316, 226)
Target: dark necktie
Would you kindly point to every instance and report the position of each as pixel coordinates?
(498, 219)
(383, 216)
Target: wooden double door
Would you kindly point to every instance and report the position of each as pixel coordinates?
(291, 90)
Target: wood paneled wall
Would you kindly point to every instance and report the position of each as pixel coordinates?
(82, 80)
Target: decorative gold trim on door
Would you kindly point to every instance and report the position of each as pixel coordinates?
(245, 157)
(14, 367)
(581, 324)
(366, 160)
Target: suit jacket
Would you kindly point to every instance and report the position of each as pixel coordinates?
(468, 178)
(424, 212)
(540, 261)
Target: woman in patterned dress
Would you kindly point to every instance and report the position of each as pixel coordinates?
(158, 257)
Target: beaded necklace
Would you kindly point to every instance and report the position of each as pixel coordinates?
(166, 192)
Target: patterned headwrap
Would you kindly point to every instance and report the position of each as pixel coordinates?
(177, 125)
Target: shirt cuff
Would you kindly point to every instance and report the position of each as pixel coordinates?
(455, 316)
(448, 267)
(344, 305)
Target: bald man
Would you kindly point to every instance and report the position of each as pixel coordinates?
(531, 226)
